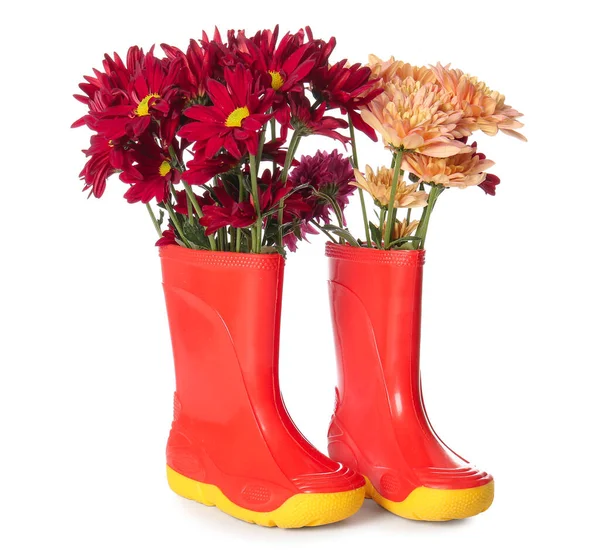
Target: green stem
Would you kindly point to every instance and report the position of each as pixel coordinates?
(154, 220)
(338, 212)
(175, 159)
(238, 231)
(194, 201)
(289, 157)
(280, 225)
(222, 239)
(261, 144)
(176, 223)
(324, 231)
(390, 208)
(361, 194)
(421, 232)
(258, 225)
(190, 209)
(382, 213)
(272, 124)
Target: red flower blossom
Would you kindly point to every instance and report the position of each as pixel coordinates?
(201, 169)
(153, 164)
(181, 201)
(235, 120)
(195, 69)
(491, 180)
(168, 237)
(227, 210)
(323, 49)
(106, 158)
(286, 65)
(346, 88)
(108, 88)
(309, 121)
(489, 184)
(272, 150)
(150, 90)
(220, 55)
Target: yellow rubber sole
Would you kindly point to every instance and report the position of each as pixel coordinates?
(431, 504)
(301, 510)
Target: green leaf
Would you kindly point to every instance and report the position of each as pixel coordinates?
(404, 240)
(340, 232)
(161, 217)
(194, 233)
(274, 249)
(375, 233)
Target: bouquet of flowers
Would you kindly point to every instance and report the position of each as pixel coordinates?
(191, 132)
(425, 116)
(202, 134)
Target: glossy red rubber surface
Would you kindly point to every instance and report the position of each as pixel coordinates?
(380, 426)
(231, 428)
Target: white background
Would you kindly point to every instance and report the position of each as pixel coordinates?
(510, 332)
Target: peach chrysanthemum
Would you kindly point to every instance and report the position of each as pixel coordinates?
(379, 186)
(403, 228)
(461, 170)
(392, 68)
(415, 117)
(483, 108)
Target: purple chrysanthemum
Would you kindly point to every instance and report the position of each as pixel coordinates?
(326, 173)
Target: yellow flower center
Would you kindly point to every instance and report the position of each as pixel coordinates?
(164, 168)
(276, 80)
(142, 108)
(236, 118)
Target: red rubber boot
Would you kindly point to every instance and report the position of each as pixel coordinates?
(380, 426)
(232, 442)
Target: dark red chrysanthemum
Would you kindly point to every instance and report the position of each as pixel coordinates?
(490, 183)
(309, 121)
(491, 180)
(128, 111)
(285, 65)
(202, 169)
(153, 164)
(235, 120)
(106, 158)
(108, 88)
(228, 210)
(323, 50)
(273, 150)
(195, 70)
(347, 88)
(220, 55)
(168, 237)
(181, 201)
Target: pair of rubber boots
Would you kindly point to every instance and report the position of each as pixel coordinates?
(232, 442)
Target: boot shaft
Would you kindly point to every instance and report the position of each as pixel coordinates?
(224, 311)
(376, 309)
